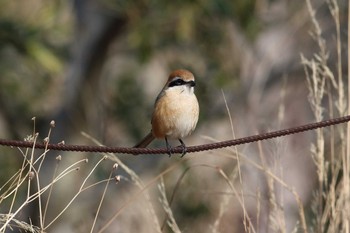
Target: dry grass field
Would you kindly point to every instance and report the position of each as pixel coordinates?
(294, 71)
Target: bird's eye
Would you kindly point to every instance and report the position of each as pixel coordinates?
(192, 83)
(177, 82)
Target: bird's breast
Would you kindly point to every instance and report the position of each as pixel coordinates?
(175, 115)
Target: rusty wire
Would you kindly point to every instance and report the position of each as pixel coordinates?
(190, 149)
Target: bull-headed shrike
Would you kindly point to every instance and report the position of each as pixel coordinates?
(176, 110)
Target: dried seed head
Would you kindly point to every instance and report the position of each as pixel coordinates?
(86, 160)
(33, 118)
(46, 140)
(31, 175)
(115, 166)
(117, 179)
(59, 158)
(61, 143)
(105, 157)
(29, 138)
(52, 124)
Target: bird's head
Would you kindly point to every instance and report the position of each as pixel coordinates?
(182, 80)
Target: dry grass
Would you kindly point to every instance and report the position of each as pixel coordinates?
(27, 181)
(332, 197)
(261, 211)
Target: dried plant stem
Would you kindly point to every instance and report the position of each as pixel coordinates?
(235, 169)
(101, 201)
(166, 206)
(76, 195)
(347, 160)
(29, 199)
(276, 219)
(35, 173)
(250, 226)
(138, 193)
(135, 178)
(233, 137)
(50, 190)
(285, 185)
(176, 188)
(20, 180)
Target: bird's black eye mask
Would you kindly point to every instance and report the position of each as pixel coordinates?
(180, 82)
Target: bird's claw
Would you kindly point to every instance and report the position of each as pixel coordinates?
(184, 148)
(168, 147)
(169, 150)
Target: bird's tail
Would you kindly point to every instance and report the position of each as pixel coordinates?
(145, 141)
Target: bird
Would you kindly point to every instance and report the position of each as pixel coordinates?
(176, 111)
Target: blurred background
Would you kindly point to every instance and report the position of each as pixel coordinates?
(97, 67)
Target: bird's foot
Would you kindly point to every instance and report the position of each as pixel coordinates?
(168, 147)
(184, 148)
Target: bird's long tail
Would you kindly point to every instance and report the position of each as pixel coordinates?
(145, 141)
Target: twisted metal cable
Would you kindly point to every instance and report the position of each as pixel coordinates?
(190, 149)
